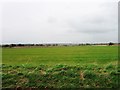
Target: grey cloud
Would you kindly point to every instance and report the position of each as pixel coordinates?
(93, 27)
(59, 22)
(52, 20)
(104, 20)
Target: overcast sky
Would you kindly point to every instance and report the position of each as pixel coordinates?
(59, 21)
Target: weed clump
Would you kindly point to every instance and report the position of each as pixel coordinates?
(60, 76)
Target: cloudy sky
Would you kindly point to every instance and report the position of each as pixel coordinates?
(58, 21)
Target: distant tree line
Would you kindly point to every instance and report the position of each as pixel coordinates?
(47, 45)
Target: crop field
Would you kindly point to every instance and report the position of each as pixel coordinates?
(60, 67)
(60, 55)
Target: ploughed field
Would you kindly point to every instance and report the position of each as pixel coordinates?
(60, 67)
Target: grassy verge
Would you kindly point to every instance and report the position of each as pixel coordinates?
(60, 76)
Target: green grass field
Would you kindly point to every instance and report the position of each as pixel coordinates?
(60, 55)
(60, 67)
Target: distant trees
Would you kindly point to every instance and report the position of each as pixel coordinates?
(49, 45)
(5, 45)
(88, 44)
(111, 43)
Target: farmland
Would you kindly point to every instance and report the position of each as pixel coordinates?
(49, 67)
(60, 55)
